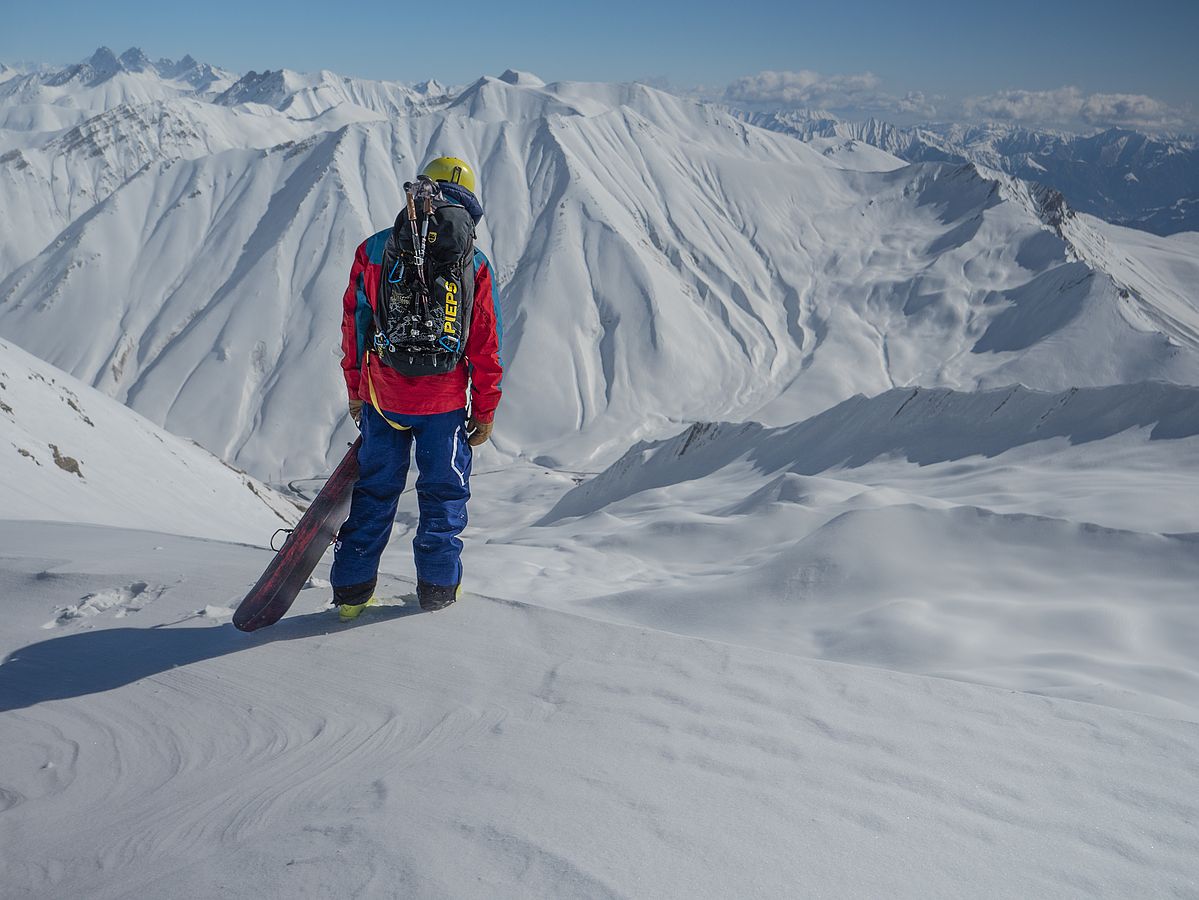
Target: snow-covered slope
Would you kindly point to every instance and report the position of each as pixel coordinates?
(1142, 265)
(922, 426)
(72, 454)
(850, 153)
(104, 152)
(635, 235)
(1041, 542)
(502, 750)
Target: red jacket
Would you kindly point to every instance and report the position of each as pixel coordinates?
(481, 367)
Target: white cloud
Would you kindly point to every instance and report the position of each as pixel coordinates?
(802, 88)
(1069, 105)
(917, 102)
(812, 90)
(1059, 105)
(861, 94)
(1127, 109)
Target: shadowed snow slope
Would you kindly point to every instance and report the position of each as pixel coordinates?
(72, 454)
(501, 750)
(1045, 542)
(922, 426)
(661, 262)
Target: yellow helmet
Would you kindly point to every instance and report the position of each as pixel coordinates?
(451, 169)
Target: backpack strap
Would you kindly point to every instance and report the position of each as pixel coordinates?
(370, 384)
(468, 294)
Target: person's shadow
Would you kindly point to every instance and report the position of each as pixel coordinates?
(89, 662)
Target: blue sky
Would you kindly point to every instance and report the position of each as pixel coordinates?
(927, 55)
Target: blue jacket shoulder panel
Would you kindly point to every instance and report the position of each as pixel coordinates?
(375, 245)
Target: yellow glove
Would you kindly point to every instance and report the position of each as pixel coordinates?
(356, 411)
(478, 432)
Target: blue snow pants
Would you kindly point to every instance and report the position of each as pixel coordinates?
(443, 460)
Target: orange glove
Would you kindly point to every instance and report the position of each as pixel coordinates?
(478, 432)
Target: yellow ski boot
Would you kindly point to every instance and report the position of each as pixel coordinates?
(348, 612)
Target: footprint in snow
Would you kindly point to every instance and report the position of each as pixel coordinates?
(130, 599)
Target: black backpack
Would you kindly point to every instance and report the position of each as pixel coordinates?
(427, 286)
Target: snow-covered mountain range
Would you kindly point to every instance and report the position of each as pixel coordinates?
(635, 233)
(837, 537)
(1143, 181)
(47, 99)
(307, 96)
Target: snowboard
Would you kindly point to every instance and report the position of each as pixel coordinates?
(280, 584)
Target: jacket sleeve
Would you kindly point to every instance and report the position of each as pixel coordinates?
(351, 358)
(483, 345)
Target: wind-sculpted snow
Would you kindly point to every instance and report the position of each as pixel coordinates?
(1042, 542)
(918, 425)
(1029, 603)
(72, 454)
(503, 750)
(660, 262)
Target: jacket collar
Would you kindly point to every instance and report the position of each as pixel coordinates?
(460, 195)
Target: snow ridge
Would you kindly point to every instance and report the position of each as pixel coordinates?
(72, 454)
(922, 426)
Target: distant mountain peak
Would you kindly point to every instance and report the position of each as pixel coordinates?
(430, 87)
(134, 60)
(104, 61)
(104, 64)
(524, 79)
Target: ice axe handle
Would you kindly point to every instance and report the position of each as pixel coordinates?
(417, 249)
